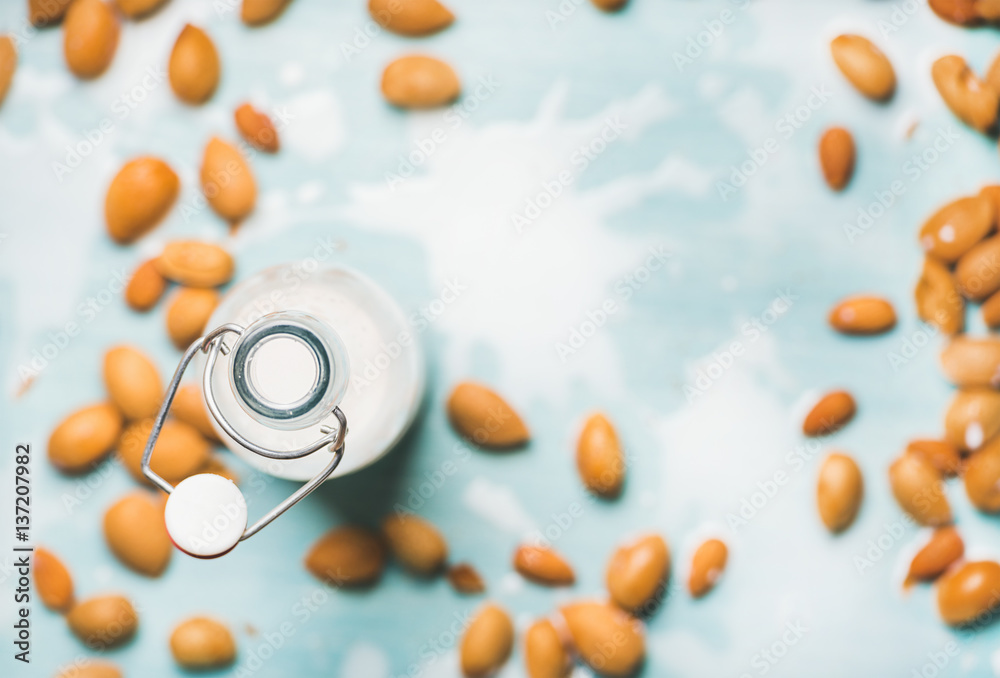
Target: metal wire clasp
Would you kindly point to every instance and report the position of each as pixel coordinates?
(212, 344)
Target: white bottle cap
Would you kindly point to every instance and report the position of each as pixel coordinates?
(206, 515)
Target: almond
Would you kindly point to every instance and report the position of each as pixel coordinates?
(982, 477)
(988, 10)
(52, 580)
(136, 533)
(973, 101)
(139, 197)
(411, 17)
(637, 573)
(103, 622)
(90, 37)
(418, 81)
(864, 65)
(347, 556)
(417, 544)
(87, 668)
(942, 455)
(487, 642)
(918, 488)
(863, 314)
(84, 438)
(959, 12)
(194, 66)
(145, 287)
(607, 639)
(991, 311)
(227, 182)
(201, 643)
(257, 129)
(259, 12)
(839, 491)
(189, 407)
(991, 192)
(599, 457)
(194, 263)
(836, 157)
(47, 12)
(464, 579)
(944, 548)
(992, 77)
(707, 565)
(969, 592)
(545, 655)
(609, 5)
(970, 362)
(188, 313)
(972, 418)
(833, 411)
(955, 228)
(543, 565)
(939, 299)
(180, 451)
(136, 9)
(479, 414)
(978, 271)
(8, 64)
(133, 382)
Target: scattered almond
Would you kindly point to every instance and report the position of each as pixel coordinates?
(863, 314)
(978, 271)
(955, 228)
(599, 457)
(145, 287)
(543, 565)
(939, 299)
(411, 17)
(136, 533)
(973, 101)
(8, 64)
(836, 157)
(194, 66)
(991, 311)
(136, 9)
(227, 182)
(139, 197)
(481, 415)
(133, 382)
(970, 362)
(84, 438)
(944, 548)
(52, 580)
(982, 477)
(260, 12)
(609, 5)
(201, 643)
(833, 411)
(464, 579)
(188, 313)
(607, 639)
(959, 12)
(707, 565)
(487, 642)
(972, 418)
(347, 556)
(47, 12)
(103, 622)
(941, 454)
(637, 572)
(90, 37)
(87, 668)
(194, 263)
(969, 592)
(918, 488)
(257, 129)
(545, 656)
(839, 491)
(417, 544)
(189, 408)
(420, 82)
(864, 65)
(180, 450)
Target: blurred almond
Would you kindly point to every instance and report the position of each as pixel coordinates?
(52, 580)
(982, 477)
(942, 455)
(919, 491)
(259, 12)
(609, 5)
(257, 129)
(599, 457)
(955, 228)
(189, 407)
(978, 271)
(863, 314)
(133, 382)
(419, 81)
(973, 101)
(417, 544)
(136, 9)
(8, 64)
(103, 622)
(832, 412)
(487, 642)
(545, 656)
(139, 197)
(47, 12)
(481, 415)
(839, 491)
(836, 157)
(959, 12)
(194, 263)
(991, 311)
(970, 362)
(972, 418)
(864, 65)
(227, 182)
(637, 572)
(939, 299)
(347, 556)
(90, 37)
(145, 287)
(411, 17)
(88, 668)
(136, 533)
(607, 639)
(944, 548)
(543, 565)
(188, 313)
(968, 594)
(202, 643)
(194, 66)
(464, 579)
(180, 450)
(84, 438)
(707, 565)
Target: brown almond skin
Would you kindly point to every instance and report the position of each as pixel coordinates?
(863, 315)
(545, 656)
(88, 668)
(202, 643)
(833, 411)
(416, 543)
(180, 450)
(599, 457)
(8, 64)
(411, 17)
(257, 129)
(145, 288)
(260, 12)
(836, 157)
(487, 642)
(227, 182)
(84, 438)
(971, 590)
(941, 454)
(991, 311)
(103, 622)
(465, 579)
(52, 580)
(707, 565)
(90, 37)
(944, 548)
(418, 81)
(971, 362)
(982, 477)
(188, 313)
(973, 101)
(188, 407)
(988, 10)
(839, 491)
(136, 533)
(637, 572)
(481, 415)
(959, 12)
(543, 565)
(919, 491)
(133, 382)
(43, 13)
(865, 66)
(194, 263)
(606, 638)
(972, 418)
(992, 77)
(347, 557)
(136, 9)
(978, 271)
(194, 66)
(939, 299)
(956, 227)
(609, 5)
(139, 197)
